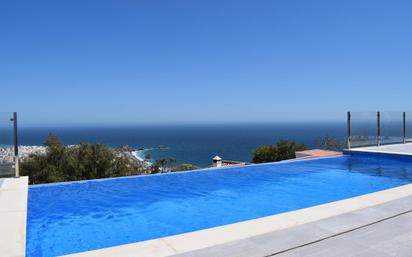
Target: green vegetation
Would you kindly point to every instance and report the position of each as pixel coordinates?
(282, 150)
(184, 167)
(330, 143)
(162, 165)
(83, 161)
(89, 161)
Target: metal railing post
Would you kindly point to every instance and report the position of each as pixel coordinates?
(16, 146)
(349, 131)
(378, 138)
(404, 128)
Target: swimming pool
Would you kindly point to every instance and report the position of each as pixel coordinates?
(80, 216)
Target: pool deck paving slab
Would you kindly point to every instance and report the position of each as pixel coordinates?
(390, 237)
(396, 149)
(13, 213)
(278, 233)
(386, 233)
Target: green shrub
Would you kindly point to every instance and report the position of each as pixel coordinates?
(184, 166)
(83, 161)
(282, 150)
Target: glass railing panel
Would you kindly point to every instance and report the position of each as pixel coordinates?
(408, 127)
(391, 127)
(363, 129)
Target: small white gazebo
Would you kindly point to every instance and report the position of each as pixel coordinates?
(217, 161)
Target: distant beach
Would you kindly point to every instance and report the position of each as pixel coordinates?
(140, 155)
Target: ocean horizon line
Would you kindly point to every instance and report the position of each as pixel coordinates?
(188, 124)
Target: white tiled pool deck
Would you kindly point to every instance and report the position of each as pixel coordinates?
(13, 212)
(399, 149)
(380, 230)
(275, 234)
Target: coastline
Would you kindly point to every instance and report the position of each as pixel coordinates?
(139, 155)
(7, 153)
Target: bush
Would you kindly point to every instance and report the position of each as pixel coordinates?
(83, 161)
(162, 165)
(282, 150)
(184, 166)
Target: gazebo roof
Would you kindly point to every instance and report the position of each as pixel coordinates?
(217, 158)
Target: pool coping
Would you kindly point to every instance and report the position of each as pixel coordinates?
(356, 151)
(13, 216)
(187, 242)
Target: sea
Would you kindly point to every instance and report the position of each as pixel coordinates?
(196, 144)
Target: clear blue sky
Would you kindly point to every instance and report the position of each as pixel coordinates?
(132, 62)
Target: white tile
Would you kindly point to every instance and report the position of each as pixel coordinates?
(12, 234)
(151, 248)
(13, 211)
(14, 183)
(13, 200)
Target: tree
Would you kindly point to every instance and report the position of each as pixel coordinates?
(83, 161)
(282, 150)
(184, 167)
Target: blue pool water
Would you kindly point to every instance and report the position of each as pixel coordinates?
(75, 217)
